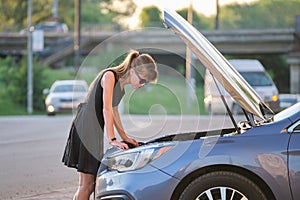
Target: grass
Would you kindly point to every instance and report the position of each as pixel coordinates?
(61, 74)
(7, 107)
(168, 96)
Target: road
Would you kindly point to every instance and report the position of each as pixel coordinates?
(31, 148)
(30, 153)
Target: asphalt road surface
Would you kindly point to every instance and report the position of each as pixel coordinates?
(31, 149)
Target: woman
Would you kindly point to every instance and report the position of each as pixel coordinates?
(84, 149)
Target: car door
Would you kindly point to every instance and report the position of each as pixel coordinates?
(294, 159)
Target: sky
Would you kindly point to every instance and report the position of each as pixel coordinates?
(206, 7)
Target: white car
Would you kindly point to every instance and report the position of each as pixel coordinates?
(65, 95)
(255, 75)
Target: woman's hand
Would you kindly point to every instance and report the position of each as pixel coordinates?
(132, 141)
(121, 145)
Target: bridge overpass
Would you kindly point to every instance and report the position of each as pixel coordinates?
(59, 46)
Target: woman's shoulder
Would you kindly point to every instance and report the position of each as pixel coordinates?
(108, 77)
(110, 73)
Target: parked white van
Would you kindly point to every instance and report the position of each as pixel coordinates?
(255, 74)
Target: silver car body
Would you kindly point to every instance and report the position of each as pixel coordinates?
(65, 95)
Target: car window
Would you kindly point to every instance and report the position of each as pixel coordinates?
(257, 78)
(69, 88)
(79, 88)
(52, 27)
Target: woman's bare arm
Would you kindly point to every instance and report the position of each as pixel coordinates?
(107, 84)
(120, 129)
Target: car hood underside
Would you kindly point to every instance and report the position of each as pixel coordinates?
(218, 66)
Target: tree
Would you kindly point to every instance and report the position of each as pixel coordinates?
(260, 15)
(151, 17)
(14, 13)
(200, 21)
(14, 75)
(119, 10)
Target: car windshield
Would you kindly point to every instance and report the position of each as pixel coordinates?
(69, 88)
(256, 78)
(287, 112)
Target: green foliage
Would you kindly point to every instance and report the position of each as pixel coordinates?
(7, 106)
(14, 13)
(66, 12)
(118, 10)
(151, 17)
(57, 74)
(14, 76)
(92, 13)
(279, 71)
(260, 15)
(257, 15)
(199, 20)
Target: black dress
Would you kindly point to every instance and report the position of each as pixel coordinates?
(84, 148)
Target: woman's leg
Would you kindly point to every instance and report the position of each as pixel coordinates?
(86, 186)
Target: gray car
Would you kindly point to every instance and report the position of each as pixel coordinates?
(257, 159)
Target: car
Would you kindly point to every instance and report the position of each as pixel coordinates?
(55, 27)
(52, 27)
(65, 95)
(287, 100)
(257, 158)
(255, 74)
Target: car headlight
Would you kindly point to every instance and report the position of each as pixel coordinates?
(50, 108)
(136, 158)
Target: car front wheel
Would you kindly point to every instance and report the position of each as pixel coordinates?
(222, 185)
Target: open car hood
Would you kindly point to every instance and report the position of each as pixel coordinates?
(218, 66)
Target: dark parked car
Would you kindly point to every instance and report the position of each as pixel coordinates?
(257, 159)
(54, 27)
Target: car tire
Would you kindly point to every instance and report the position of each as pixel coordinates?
(51, 114)
(233, 185)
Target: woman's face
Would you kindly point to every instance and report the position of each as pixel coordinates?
(137, 80)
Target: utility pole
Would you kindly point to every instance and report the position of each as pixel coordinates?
(188, 51)
(217, 15)
(55, 11)
(29, 52)
(188, 65)
(77, 33)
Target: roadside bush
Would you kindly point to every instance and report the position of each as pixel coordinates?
(14, 76)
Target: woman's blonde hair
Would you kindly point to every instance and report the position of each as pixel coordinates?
(143, 63)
